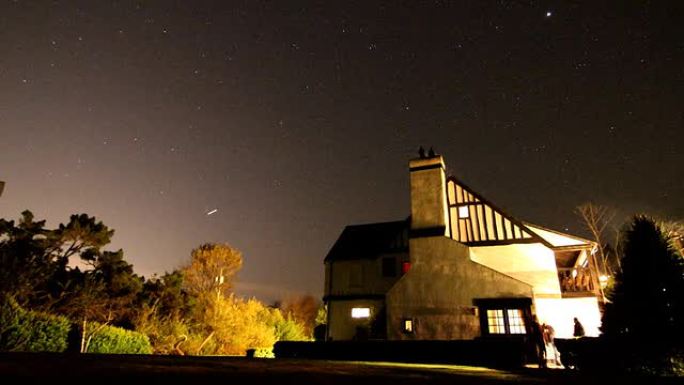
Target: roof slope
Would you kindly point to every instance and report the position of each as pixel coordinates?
(368, 241)
(557, 238)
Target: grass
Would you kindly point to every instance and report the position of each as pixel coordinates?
(96, 369)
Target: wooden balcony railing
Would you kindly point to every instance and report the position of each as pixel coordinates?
(577, 280)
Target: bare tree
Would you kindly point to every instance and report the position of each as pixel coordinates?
(596, 219)
(674, 231)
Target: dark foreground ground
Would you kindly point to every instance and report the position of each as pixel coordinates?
(95, 369)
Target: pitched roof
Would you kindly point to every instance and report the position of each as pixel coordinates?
(368, 241)
(557, 238)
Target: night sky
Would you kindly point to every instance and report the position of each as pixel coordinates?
(294, 119)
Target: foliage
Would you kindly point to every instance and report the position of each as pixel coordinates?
(103, 293)
(322, 315)
(233, 325)
(30, 331)
(188, 311)
(25, 264)
(646, 307)
(115, 340)
(303, 310)
(286, 328)
(167, 295)
(674, 231)
(263, 353)
(212, 269)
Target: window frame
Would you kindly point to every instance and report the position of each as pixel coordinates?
(515, 313)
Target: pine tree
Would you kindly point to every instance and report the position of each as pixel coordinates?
(646, 309)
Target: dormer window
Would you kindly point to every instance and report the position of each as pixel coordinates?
(463, 212)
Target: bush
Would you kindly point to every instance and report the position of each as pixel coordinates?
(260, 353)
(287, 329)
(114, 340)
(30, 331)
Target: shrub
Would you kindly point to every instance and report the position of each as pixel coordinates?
(288, 329)
(30, 331)
(114, 340)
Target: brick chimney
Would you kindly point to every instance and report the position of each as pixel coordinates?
(429, 207)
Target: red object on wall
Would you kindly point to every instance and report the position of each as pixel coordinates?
(405, 267)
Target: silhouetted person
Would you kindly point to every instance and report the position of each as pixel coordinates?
(550, 341)
(538, 340)
(579, 329)
(421, 152)
(431, 153)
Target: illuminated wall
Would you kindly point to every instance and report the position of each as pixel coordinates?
(532, 263)
(559, 313)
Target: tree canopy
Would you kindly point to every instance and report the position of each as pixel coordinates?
(646, 306)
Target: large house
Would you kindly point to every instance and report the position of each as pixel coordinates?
(458, 268)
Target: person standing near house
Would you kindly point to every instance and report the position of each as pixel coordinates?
(579, 329)
(538, 340)
(550, 343)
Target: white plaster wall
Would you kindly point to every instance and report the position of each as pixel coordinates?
(532, 263)
(559, 313)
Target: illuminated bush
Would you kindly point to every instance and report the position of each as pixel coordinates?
(114, 340)
(287, 329)
(30, 331)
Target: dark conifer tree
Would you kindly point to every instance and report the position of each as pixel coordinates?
(646, 308)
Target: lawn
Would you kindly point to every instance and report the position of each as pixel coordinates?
(93, 369)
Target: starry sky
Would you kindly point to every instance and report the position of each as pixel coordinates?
(293, 119)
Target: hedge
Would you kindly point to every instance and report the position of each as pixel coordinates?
(30, 331)
(115, 340)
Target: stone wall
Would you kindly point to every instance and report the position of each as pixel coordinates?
(438, 292)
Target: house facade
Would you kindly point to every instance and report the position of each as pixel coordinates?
(458, 268)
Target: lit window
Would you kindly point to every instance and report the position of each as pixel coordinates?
(408, 326)
(496, 322)
(360, 312)
(516, 322)
(463, 212)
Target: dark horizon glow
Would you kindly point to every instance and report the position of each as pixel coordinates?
(292, 121)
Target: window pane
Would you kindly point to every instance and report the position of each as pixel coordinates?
(516, 322)
(408, 326)
(360, 312)
(495, 321)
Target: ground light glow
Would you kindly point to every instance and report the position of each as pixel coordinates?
(476, 371)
